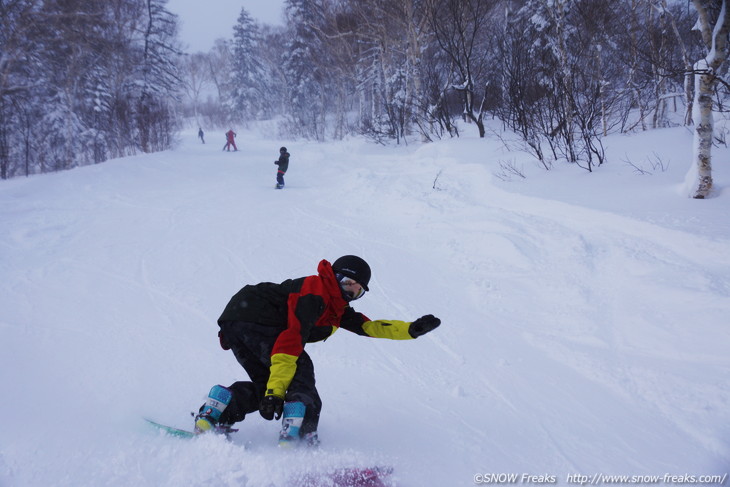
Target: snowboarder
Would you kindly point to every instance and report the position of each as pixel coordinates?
(267, 326)
(283, 164)
(230, 141)
(201, 135)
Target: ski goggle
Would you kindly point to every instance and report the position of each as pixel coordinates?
(352, 288)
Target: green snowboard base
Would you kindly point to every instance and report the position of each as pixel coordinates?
(171, 430)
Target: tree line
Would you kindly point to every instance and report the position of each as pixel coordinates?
(83, 81)
(560, 73)
(108, 79)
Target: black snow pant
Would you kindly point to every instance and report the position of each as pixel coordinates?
(252, 343)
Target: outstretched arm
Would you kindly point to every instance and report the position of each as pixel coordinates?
(391, 329)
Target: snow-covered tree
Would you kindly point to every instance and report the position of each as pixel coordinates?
(304, 70)
(160, 79)
(560, 83)
(19, 58)
(249, 78)
(82, 81)
(390, 38)
(73, 72)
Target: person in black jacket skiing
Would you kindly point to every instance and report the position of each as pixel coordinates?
(283, 164)
(267, 326)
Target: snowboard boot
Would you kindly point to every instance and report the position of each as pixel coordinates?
(290, 424)
(207, 419)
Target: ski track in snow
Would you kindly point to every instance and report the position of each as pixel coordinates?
(574, 340)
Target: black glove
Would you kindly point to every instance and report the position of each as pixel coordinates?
(423, 325)
(271, 406)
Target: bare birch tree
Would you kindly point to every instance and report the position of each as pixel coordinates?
(714, 25)
(196, 78)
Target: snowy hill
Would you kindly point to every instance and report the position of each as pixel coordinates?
(585, 316)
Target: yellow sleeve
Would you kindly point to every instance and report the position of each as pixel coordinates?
(283, 367)
(392, 329)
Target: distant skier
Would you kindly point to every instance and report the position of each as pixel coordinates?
(283, 164)
(230, 141)
(267, 326)
(201, 135)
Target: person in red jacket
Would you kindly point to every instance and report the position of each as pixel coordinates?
(230, 141)
(267, 326)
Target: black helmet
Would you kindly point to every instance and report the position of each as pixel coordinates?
(353, 267)
(283, 149)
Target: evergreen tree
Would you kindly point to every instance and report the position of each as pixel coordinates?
(303, 70)
(249, 78)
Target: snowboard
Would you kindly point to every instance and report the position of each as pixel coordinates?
(170, 430)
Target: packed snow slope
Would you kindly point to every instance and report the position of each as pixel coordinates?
(585, 316)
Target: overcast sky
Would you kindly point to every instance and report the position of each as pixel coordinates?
(204, 22)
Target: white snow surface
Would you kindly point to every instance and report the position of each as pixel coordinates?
(585, 316)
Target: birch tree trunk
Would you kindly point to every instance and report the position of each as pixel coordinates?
(699, 178)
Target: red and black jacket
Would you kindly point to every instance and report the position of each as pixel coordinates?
(304, 310)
